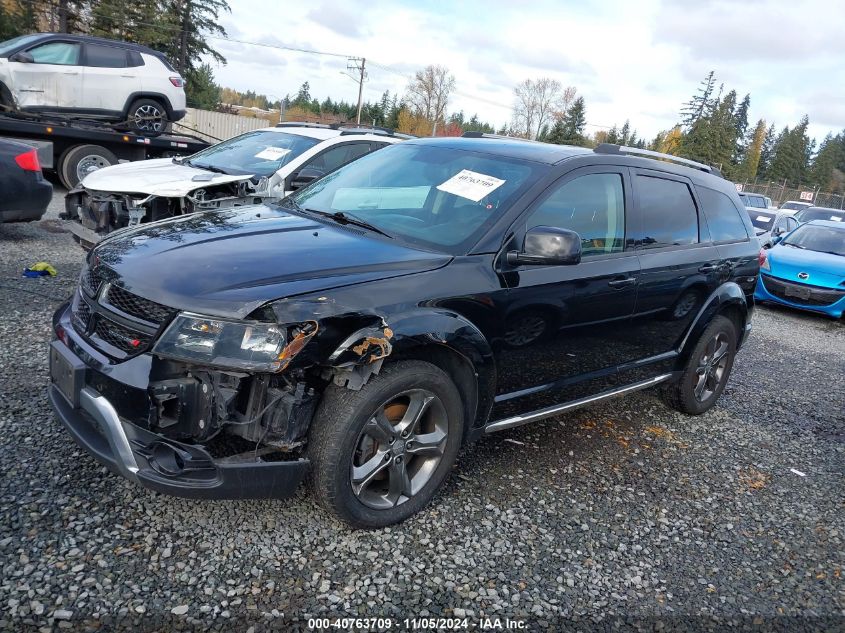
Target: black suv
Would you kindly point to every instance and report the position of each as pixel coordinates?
(359, 332)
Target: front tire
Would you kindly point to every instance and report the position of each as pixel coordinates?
(378, 455)
(707, 370)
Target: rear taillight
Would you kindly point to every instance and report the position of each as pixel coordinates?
(178, 82)
(28, 161)
(763, 259)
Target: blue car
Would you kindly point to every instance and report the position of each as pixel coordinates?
(806, 269)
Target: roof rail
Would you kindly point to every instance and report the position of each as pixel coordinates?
(477, 134)
(610, 148)
(303, 124)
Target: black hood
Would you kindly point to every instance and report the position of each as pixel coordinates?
(229, 263)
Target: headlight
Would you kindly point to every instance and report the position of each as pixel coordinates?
(250, 345)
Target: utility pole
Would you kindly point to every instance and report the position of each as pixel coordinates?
(362, 75)
(183, 44)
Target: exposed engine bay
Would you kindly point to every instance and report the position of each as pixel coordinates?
(98, 213)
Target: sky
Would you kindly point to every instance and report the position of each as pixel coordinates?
(637, 59)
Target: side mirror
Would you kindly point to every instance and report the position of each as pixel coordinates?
(548, 246)
(777, 238)
(22, 57)
(305, 176)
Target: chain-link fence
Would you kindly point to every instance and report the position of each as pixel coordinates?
(780, 193)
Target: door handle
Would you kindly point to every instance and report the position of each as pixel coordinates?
(710, 268)
(622, 283)
(69, 72)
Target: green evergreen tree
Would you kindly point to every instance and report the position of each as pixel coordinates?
(767, 152)
(700, 104)
(201, 91)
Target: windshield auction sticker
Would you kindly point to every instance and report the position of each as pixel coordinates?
(272, 153)
(471, 185)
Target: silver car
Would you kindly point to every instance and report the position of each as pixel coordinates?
(769, 224)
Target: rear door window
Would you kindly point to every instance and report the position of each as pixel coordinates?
(722, 216)
(99, 56)
(668, 215)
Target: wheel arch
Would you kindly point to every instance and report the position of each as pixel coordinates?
(155, 96)
(456, 346)
(727, 300)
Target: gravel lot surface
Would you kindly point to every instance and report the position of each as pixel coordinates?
(620, 512)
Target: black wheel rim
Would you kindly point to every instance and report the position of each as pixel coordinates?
(711, 370)
(399, 449)
(148, 117)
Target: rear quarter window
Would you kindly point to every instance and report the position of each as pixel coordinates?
(723, 217)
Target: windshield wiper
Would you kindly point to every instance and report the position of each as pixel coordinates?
(338, 216)
(803, 248)
(344, 218)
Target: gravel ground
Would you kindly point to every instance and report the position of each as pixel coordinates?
(615, 516)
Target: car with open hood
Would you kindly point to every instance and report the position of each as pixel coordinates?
(359, 332)
(806, 269)
(260, 165)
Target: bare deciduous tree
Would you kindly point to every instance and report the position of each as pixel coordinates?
(538, 102)
(428, 93)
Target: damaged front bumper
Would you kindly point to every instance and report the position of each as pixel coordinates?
(87, 401)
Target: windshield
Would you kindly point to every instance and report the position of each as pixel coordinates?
(824, 239)
(762, 220)
(819, 213)
(437, 197)
(13, 43)
(262, 153)
(794, 206)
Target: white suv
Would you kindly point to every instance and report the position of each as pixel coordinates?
(265, 164)
(90, 77)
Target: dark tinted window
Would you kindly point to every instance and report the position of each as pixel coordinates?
(135, 59)
(668, 212)
(760, 219)
(593, 206)
(722, 216)
(338, 156)
(821, 213)
(104, 56)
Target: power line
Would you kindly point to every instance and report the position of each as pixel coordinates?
(296, 49)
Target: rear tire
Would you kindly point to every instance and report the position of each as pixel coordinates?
(80, 160)
(707, 370)
(147, 116)
(378, 455)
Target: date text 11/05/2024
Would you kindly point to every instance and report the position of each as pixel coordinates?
(417, 624)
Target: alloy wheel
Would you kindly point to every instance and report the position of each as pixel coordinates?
(711, 367)
(399, 449)
(149, 118)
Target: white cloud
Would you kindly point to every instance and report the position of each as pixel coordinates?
(630, 60)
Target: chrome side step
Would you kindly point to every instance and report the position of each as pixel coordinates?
(519, 420)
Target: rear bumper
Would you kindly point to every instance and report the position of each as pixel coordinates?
(835, 309)
(150, 459)
(27, 202)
